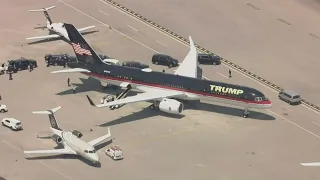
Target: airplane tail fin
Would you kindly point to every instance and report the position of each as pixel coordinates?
(50, 113)
(84, 52)
(45, 11)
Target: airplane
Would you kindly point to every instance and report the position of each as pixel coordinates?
(56, 30)
(163, 89)
(71, 141)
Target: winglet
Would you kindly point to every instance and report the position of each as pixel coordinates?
(90, 101)
(192, 46)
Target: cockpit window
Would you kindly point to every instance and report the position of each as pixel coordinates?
(90, 151)
(260, 99)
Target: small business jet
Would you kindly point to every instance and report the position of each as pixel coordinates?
(56, 30)
(71, 141)
(161, 88)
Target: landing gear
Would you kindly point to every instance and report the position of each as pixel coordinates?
(154, 105)
(246, 113)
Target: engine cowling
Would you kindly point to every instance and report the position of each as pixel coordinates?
(77, 133)
(171, 106)
(57, 138)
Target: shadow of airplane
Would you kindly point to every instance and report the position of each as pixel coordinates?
(66, 156)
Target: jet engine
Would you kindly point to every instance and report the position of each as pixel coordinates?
(169, 106)
(77, 133)
(57, 138)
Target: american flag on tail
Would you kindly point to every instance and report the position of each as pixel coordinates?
(80, 50)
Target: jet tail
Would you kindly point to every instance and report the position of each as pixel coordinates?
(52, 119)
(85, 54)
(45, 11)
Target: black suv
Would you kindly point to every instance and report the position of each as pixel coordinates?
(59, 59)
(209, 59)
(21, 64)
(134, 64)
(166, 60)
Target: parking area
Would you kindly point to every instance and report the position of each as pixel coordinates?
(209, 141)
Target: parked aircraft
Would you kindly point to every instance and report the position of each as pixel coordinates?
(161, 88)
(71, 141)
(56, 30)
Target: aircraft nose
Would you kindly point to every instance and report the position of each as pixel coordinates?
(95, 158)
(268, 104)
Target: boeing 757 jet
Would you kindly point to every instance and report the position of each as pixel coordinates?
(56, 30)
(163, 89)
(71, 141)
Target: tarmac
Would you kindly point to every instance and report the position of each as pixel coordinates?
(209, 141)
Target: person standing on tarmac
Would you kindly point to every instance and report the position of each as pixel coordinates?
(230, 73)
(68, 81)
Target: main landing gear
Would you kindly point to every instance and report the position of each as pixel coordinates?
(246, 113)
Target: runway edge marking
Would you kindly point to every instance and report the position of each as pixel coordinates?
(203, 50)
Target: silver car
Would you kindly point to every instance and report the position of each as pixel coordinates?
(290, 97)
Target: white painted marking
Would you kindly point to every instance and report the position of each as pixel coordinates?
(103, 13)
(9, 144)
(161, 43)
(316, 123)
(294, 124)
(109, 26)
(132, 27)
(65, 176)
(223, 75)
(310, 109)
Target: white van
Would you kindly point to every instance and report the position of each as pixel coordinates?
(111, 61)
(12, 123)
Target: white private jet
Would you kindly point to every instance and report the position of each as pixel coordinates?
(56, 30)
(71, 141)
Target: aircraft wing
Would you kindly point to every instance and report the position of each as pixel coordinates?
(85, 28)
(311, 164)
(97, 141)
(53, 151)
(155, 94)
(44, 37)
(188, 67)
(74, 70)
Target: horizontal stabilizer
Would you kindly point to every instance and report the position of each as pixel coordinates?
(85, 28)
(51, 36)
(54, 110)
(75, 70)
(97, 141)
(43, 9)
(311, 164)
